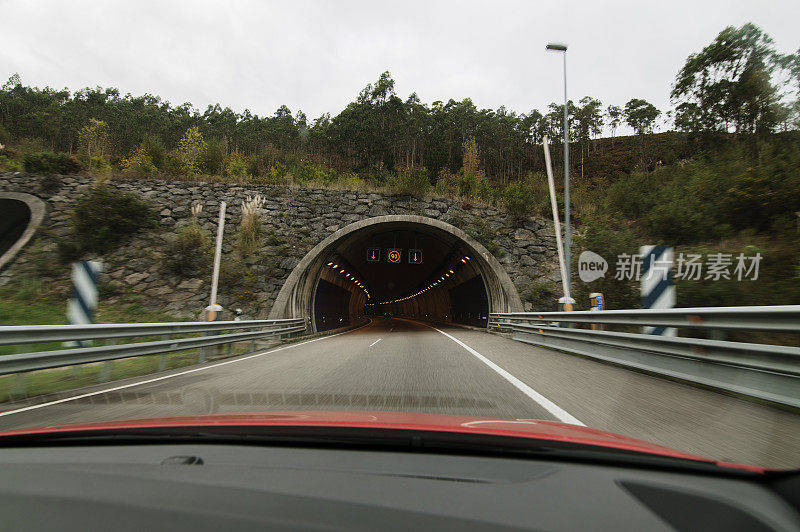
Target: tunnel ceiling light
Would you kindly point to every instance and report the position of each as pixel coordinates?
(464, 261)
(451, 271)
(467, 257)
(335, 266)
(330, 264)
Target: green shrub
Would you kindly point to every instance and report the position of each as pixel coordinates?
(10, 153)
(68, 249)
(139, 163)
(441, 188)
(542, 295)
(154, 147)
(50, 163)
(413, 181)
(631, 195)
(235, 276)
(212, 158)
(107, 289)
(485, 234)
(467, 183)
(104, 216)
(5, 136)
(189, 251)
(609, 237)
(518, 200)
(10, 165)
(484, 191)
(236, 166)
(100, 168)
(31, 144)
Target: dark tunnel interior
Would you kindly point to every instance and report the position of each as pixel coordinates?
(431, 275)
(15, 218)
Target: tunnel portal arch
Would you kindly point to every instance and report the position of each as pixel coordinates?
(297, 296)
(22, 215)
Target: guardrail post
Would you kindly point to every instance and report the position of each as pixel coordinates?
(162, 358)
(19, 388)
(105, 369)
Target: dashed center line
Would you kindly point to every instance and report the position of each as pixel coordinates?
(375, 342)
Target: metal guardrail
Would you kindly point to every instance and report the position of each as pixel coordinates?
(763, 371)
(213, 335)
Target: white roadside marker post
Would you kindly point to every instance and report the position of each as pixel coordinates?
(82, 304)
(566, 301)
(213, 309)
(658, 288)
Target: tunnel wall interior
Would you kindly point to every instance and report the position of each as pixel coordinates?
(331, 306)
(469, 304)
(437, 273)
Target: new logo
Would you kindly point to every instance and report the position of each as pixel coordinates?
(591, 266)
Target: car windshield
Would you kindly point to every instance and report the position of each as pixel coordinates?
(563, 222)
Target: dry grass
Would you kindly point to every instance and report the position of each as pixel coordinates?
(250, 230)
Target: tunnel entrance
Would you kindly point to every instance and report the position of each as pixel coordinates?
(15, 219)
(22, 215)
(409, 266)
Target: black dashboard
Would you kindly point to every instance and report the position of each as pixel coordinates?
(240, 487)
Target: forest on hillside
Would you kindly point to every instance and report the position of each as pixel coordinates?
(725, 174)
(738, 84)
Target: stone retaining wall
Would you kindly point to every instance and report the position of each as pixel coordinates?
(294, 219)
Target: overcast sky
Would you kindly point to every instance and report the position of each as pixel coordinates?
(317, 55)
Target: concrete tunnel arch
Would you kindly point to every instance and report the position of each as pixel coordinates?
(22, 216)
(297, 297)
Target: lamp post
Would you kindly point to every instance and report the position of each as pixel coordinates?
(558, 47)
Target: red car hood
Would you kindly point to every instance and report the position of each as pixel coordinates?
(520, 428)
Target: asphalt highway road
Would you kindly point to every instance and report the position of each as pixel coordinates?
(400, 365)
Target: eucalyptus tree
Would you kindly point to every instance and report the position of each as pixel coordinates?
(728, 85)
(614, 114)
(641, 115)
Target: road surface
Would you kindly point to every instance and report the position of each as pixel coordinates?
(400, 365)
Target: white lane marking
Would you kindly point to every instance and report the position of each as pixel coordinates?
(375, 342)
(156, 379)
(560, 414)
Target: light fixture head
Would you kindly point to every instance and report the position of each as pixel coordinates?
(556, 47)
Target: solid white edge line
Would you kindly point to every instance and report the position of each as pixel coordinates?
(375, 342)
(164, 377)
(559, 413)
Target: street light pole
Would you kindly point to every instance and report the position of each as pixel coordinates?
(567, 229)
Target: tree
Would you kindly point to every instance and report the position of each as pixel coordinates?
(728, 84)
(640, 115)
(190, 149)
(470, 175)
(93, 139)
(614, 114)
